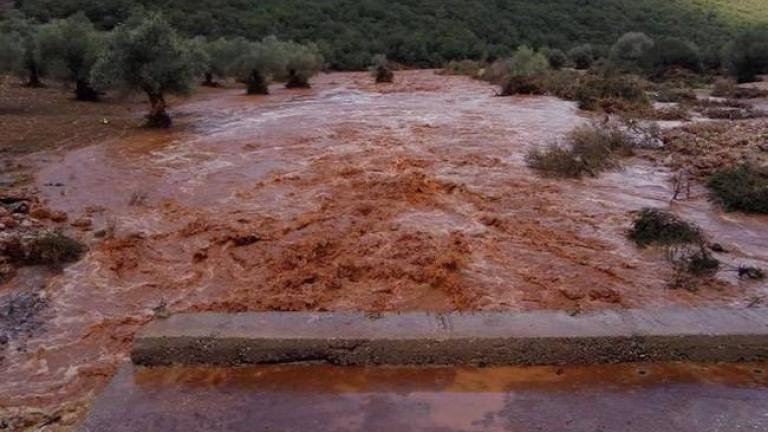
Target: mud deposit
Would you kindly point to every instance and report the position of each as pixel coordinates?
(410, 196)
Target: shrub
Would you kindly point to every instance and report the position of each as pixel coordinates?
(610, 93)
(582, 56)
(654, 226)
(588, 151)
(464, 67)
(520, 74)
(744, 187)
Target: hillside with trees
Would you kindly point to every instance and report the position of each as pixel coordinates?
(431, 32)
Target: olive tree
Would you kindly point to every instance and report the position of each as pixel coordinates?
(22, 35)
(148, 55)
(70, 47)
(631, 49)
(222, 54)
(259, 63)
(302, 62)
(11, 52)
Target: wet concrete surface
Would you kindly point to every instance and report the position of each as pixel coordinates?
(617, 398)
(479, 338)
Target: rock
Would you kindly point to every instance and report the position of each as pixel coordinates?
(21, 207)
(58, 216)
(40, 213)
(9, 222)
(82, 222)
(100, 233)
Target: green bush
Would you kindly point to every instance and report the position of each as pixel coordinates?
(744, 187)
(654, 226)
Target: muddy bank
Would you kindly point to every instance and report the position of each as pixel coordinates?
(348, 196)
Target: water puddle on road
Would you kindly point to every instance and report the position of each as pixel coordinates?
(349, 196)
(659, 397)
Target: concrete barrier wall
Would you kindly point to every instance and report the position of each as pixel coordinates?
(531, 338)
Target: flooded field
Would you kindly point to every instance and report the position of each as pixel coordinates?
(348, 196)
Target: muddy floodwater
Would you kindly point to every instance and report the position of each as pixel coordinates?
(348, 196)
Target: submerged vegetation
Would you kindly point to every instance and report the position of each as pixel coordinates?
(588, 150)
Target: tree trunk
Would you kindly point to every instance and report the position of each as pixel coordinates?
(257, 85)
(158, 117)
(295, 81)
(34, 76)
(84, 92)
(209, 82)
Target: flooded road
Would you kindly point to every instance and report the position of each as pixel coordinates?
(628, 398)
(348, 196)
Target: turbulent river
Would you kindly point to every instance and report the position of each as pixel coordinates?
(348, 196)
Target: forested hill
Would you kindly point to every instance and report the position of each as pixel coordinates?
(429, 32)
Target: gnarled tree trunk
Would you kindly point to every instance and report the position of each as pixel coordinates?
(84, 92)
(296, 81)
(158, 117)
(34, 76)
(257, 85)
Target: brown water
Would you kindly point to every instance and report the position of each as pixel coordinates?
(347, 196)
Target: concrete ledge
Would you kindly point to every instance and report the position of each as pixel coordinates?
(531, 338)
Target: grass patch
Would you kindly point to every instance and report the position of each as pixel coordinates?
(654, 226)
(588, 150)
(744, 188)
